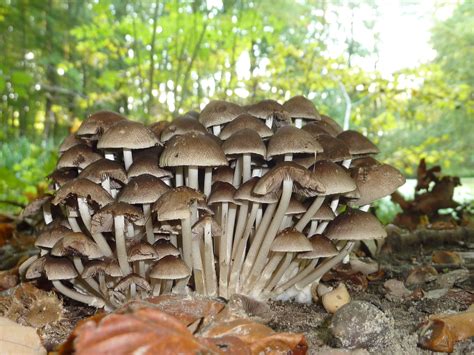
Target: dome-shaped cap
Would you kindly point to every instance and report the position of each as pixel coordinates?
(79, 156)
(292, 140)
(102, 169)
(76, 244)
(246, 121)
(292, 241)
(218, 112)
(334, 149)
(103, 220)
(127, 134)
(59, 269)
(245, 193)
(192, 150)
(97, 123)
(358, 144)
(49, 237)
(176, 203)
(147, 164)
(322, 248)
(163, 247)
(269, 108)
(245, 141)
(301, 107)
(125, 283)
(143, 189)
(182, 125)
(170, 268)
(82, 188)
(69, 142)
(330, 125)
(335, 178)
(221, 192)
(355, 225)
(142, 251)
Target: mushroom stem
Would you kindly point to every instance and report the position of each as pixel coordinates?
(246, 167)
(47, 215)
(156, 284)
(239, 251)
(74, 225)
(106, 185)
(298, 122)
(271, 231)
(26, 264)
(127, 158)
(237, 173)
(312, 228)
(198, 271)
(227, 249)
(325, 266)
(259, 217)
(299, 276)
(266, 274)
(193, 177)
(209, 266)
(80, 268)
(86, 218)
(239, 229)
(187, 242)
(207, 181)
(89, 300)
(281, 270)
(318, 201)
(109, 156)
(257, 241)
(179, 176)
(119, 225)
(216, 130)
(269, 121)
(150, 237)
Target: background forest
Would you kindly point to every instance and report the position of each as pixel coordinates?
(152, 60)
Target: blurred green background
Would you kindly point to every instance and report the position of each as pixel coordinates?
(402, 72)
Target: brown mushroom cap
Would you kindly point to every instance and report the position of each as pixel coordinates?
(59, 269)
(325, 213)
(142, 251)
(76, 244)
(102, 169)
(192, 150)
(107, 267)
(318, 128)
(358, 144)
(198, 228)
(245, 193)
(82, 188)
(36, 269)
(335, 178)
(147, 164)
(290, 139)
(322, 248)
(164, 248)
(295, 207)
(158, 127)
(103, 220)
(375, 182)
(142, 189)
(301, 107)
(334, 149)
(269, 108)
(127, 134)
(246, 121)
(245, 141)
(176, 203)
(292, 241)
(330, 125)
(218, 112)
(170, 268)
(182, 125)
(355, 225)
(98, 122)
(62, 176)
(224, 174)
(49, 237)
(273, 179)
(35, 206)
(221, 192)
(125, 283)
(69, 142)
(79, 156)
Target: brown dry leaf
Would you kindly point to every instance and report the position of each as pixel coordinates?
(420, 275)
(442, 331)
(355, 279)
(446, 257)
(9, 279)
(17, 339)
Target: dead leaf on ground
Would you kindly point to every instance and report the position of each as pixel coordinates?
(446, 257)
(9, 279)
(420, 275)
(18, 339)
(442, 331)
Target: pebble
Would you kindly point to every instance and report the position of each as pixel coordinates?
(360, 324)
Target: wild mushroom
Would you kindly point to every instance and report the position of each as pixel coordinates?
(168, 268)
(245, 121)
(110, 174)
(218, 112)
(301, 109)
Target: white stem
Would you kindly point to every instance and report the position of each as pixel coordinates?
(271, 231)
(266, 274)
(312, 228)
(227, 249)
(179, 176)
(130, 230)
(237, 173)
(198, 271)
(156, 284)
(74, 225)
(321, 227)
(76, 260)
(281, 270)
(89, 300)
(288, 157)
(193, 181)
(209, 266)
(48, 217)
(299, 276)
(259, 217)
(269, 122)
(150, 237)
(207, 181)
(127, 158)
(298, 122)
(187, 242)
(239, 229)
(119, 225)
(318, 201)
(216, 130)
(106, 185)
(109, 156)
(246, 167)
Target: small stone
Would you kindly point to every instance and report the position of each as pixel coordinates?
(396, 290)
(450, 278)
(446, 257)
(420, 275)
(360, 324)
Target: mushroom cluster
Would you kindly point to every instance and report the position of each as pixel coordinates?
(259, 200)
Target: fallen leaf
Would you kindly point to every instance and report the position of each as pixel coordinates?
(396, 290)
(18, 339)
(446, 257)
(442, 331)
(9, 279)
(420, 275)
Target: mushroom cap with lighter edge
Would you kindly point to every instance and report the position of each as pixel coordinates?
(69, 142)
(199, 226)
(192, 150)
(36, 268)
(245, 193)
(182, 125)
(59, 269)
(127, 135)
(355, 224)
(292, 140)
(141, 251)
(290, 240)
(49, 237)
(176, 203)
(221, 192)
(170, 268)
(79, 156)
(142, 189)
(358, 143)
(324, 213)
(334, 149)
(98, 122)
(375, 182)
(300, 107)
(77, 244)
(334, 177)
(125, 283)
(269, 108)
(164, 248)
(62, 176)
(218, 112)
(223, 173)
(245, 141)
(322, 248)
(330, 125)
(102, 169)
(273, 179)
(106, 267)
(246, 121)
(147, 164)
(83, 188)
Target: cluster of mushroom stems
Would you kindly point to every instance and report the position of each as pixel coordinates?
(260, 200)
